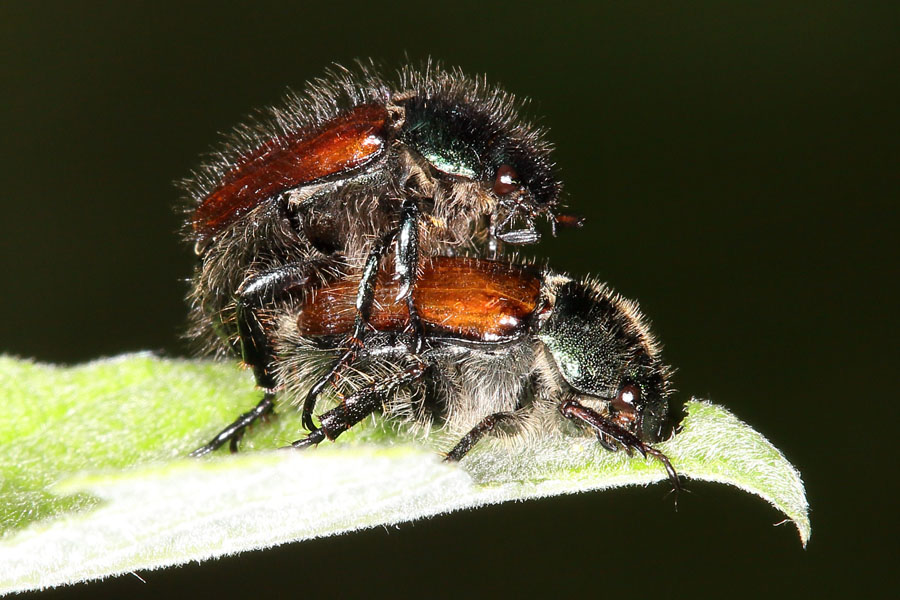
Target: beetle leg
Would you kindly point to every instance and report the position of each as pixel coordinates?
(522, 236)
(407, 266)
(358, 406)
(607, 442)
(495, 227)
(256, 292)
(572, 409)
(234, 432)
(475, 434)
(365, 295)
(309, 403)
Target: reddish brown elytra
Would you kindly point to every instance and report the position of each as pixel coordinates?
(465, 299)
(346, 142)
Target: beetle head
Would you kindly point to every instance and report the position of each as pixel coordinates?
(602, 348)
(477, 138)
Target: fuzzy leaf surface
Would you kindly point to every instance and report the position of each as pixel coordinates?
(94, 479)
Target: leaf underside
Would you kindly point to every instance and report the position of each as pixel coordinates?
(94, 481)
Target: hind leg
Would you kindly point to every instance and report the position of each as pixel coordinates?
(255, 293)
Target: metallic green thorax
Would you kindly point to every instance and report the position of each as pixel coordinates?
(599, 348)
(435, 132)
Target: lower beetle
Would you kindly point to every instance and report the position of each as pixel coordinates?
(508, 344)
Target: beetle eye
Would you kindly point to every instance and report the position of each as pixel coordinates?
(506, 180)
(624, 403)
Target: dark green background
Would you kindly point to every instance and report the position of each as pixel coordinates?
(739, 169)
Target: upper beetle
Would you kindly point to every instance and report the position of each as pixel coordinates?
(435, 135)
(433, 163)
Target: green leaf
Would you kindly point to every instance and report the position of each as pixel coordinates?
(94, 481)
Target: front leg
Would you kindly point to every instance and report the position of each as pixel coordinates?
(572, 409)
(515, 210)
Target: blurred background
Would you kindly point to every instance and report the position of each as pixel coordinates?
(738, 166)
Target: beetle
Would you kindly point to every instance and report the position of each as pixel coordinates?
(433, 163)
(511, 347)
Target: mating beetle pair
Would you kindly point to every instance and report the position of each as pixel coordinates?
(352, 250)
